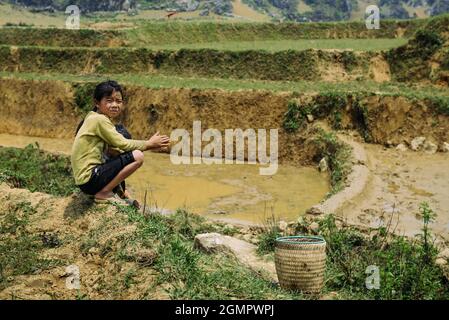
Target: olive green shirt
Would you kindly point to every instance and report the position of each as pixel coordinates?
(95, 135)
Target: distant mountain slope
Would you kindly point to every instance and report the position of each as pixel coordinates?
(337, 10)
(292, 10)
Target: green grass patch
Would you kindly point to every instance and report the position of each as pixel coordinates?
(283, 45)
(267, 239)
(35, 170)
(188, 273)
(84, 93)
(20, 249)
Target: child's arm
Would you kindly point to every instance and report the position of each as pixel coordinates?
(107, 132)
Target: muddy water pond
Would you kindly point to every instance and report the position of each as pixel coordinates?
(235, 192)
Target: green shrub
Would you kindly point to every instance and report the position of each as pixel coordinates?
(407, 267)
(294, 117)
(427, 40)
(349, 60)
(267, 239)
(337, 156)
(84, 100)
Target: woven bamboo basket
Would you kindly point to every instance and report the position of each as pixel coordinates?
(301, 262)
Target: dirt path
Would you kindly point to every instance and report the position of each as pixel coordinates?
(398, 182)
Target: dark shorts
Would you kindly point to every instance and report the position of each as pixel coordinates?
(104, 173)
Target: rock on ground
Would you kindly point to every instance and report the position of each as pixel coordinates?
(323, 165)
(430, 147)
(283, 226)
(314, 227)
(417, 143)
(244, 252)
(445, 147)
(209, 242)
(315, 210)
(401, 147)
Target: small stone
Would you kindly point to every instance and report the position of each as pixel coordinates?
(209, 242)
(323, 165)
(219, 212)
(314, 227)
(445, 147)
(84, 225)
(389, 143)
(247, 237)
(310, 118)
(401, 147)
(430, 147)
(417, 143)
(315, 210)
(283, 226)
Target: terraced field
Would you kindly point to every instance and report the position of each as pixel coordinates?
(328, 88)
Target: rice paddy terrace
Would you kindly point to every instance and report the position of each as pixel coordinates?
(335, 91)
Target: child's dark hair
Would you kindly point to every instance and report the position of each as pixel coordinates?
(104, 89)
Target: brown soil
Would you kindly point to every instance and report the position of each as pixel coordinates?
(47, 109)
(397, 119)
(379, 69)
(72, 219)
(398, 182)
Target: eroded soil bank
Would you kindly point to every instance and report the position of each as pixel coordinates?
(54, 108)
(288, 65)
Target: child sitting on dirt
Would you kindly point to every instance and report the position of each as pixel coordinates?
(94, 173)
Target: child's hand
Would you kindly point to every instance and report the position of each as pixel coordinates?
(157, 141)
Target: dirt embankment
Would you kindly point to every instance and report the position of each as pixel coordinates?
(395, 120)
(288, 65)
(426, 56)
(79, 228)
(49, 109)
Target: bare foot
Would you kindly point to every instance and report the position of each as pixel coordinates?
(103, 195)
(126, 194)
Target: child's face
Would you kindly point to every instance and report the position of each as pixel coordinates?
(111, 106)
